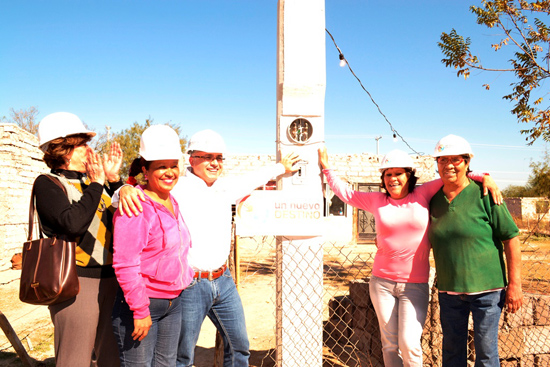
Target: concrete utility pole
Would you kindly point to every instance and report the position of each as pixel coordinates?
(301, 80)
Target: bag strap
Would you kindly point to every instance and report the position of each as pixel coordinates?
(32, 208)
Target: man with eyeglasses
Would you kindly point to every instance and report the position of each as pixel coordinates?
(205, 202)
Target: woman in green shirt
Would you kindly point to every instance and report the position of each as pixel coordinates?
(469, 234)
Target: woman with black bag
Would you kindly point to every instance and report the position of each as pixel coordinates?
(82, 212)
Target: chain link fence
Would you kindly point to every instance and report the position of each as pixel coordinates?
(351, 335)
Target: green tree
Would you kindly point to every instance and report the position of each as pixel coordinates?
(25, 119)
(539, 179)
(530, 38)
(129, 142)
(516, 191)
(538, 183)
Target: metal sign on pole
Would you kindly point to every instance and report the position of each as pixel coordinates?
(301, 80)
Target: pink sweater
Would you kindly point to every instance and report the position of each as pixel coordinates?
(401, 228)
(150, 255)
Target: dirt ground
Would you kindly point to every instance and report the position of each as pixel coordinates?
(33, 326)
(257, 288)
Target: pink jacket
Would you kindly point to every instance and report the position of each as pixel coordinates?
(150, 255)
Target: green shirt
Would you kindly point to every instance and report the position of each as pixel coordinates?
(466, 235)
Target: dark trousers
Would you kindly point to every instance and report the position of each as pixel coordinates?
(82, 326)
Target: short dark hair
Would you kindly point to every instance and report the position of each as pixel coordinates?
(60, 147)
(411, 181)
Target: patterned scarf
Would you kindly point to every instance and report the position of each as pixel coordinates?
(95, 247)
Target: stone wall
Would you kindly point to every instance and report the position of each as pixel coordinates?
(354, 168)
(20, 163)
(363, 168)
(524, 337)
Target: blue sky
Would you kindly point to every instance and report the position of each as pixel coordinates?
(212, 64)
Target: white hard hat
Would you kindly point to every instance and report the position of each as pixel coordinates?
(207, 141)
(60, 125)
(396, 159)
(159, 142)
(453, 145)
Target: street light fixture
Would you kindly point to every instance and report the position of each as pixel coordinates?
(377, 144)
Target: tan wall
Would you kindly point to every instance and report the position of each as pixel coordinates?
(363, 168)
(20, 163)
(354, 168)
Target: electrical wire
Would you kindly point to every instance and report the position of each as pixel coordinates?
(394, 132)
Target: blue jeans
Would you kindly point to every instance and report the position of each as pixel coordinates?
(218, 299)
(486, 309)
(401, 309)
(159, 347)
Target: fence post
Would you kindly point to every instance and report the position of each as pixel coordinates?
(15, 342)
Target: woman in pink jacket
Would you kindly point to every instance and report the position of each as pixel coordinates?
(398, 287)
(150, 259)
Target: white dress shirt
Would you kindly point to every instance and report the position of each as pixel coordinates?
(207, 212)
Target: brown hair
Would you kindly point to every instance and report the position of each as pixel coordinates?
(411, 180)
(60, 147)
(135, 167)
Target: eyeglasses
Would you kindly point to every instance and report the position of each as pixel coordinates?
(455, 161)
(210, 158)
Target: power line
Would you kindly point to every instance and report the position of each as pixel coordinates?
(342, 60)
(432, 141)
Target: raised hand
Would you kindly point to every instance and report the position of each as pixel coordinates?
(323, 157)
(112, 162)
(288, 161)
(94, 167)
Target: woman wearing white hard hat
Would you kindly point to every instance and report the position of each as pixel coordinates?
(399, 284)
(82, 326)
(469, 234)
(150, 258)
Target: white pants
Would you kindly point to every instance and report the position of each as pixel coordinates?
(401, 309)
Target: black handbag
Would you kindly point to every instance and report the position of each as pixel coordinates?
(48, 270)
